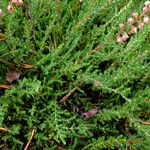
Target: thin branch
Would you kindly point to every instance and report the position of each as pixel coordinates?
(3, 39)
(28, 66)
(100, 46)
(147, 123)
(31, 19)
(135, 141)
(5, 130)
(5, 86)
(60, 15)
(147, 100)
(55, 43)
(28, 143)
(70, 93)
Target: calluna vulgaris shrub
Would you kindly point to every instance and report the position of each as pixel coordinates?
(74, 74)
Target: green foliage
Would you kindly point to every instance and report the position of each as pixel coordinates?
(60, 38)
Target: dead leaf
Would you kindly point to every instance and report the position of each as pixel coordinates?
(5, 86)
(100, 46)
(147, 123)
(3, 39)
(90, 113)
(28, 66)
(4, 129)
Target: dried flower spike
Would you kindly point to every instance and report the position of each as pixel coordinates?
(90, 113)
(12, 76)
(121, 25)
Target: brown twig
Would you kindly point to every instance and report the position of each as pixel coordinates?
(3, 39)
(134, 141)
(55, 43)
(145, 113)
(100, 46)
(28, 143)
(60, 15)
(31, 19)
(28, 66)
(70, 93)
(5, 86)
(5, 130)
(147, 123)
(130, 148)
(147, 100)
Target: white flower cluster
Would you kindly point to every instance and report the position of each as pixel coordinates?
(140, 20)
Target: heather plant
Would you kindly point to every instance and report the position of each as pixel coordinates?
(74, 74)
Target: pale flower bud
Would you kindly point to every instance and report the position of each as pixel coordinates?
(121, 25)
(130, 21)
(145, 11)
(119, 39)
(10, 7)
(125, 37)
(135, 15)
(146, 19)
(90, 113)
(133, 30)
(1, 12)
(17, 2)
(140, 25)
(147, 3)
